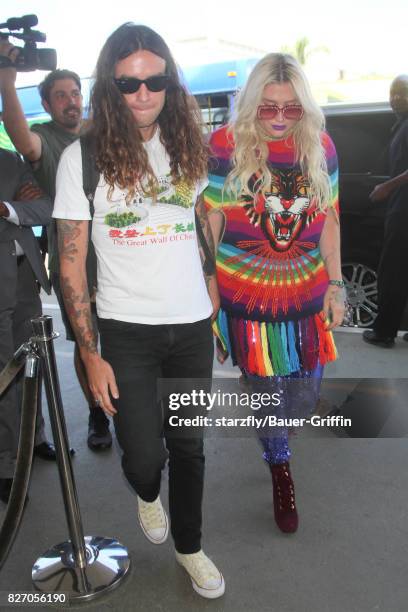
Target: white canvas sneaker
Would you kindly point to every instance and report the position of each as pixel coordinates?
(153, 520)
(207, 580)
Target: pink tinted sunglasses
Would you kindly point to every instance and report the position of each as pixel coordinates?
(292, 112)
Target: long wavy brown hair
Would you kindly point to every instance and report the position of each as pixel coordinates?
(120, 155)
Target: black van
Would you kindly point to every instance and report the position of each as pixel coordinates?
(361, 134)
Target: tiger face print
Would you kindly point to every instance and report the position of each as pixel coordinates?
(282, 212)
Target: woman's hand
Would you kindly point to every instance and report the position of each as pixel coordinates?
(334, 305)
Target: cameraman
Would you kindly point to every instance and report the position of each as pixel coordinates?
(42, 145)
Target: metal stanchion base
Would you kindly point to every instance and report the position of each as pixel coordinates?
(108, 562)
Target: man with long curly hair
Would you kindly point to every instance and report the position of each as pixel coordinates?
(154, 299)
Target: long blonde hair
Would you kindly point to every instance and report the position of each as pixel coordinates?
(251, 148)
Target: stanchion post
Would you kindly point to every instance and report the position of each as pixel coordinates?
(21, 478)
(84, 567)
(43, 330)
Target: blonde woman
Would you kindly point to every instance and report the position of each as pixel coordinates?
(273, 175)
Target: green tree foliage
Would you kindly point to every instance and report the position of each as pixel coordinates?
(301, 50)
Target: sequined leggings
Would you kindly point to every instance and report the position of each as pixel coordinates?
(298, 394)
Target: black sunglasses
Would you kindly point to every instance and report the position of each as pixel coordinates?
(128, 85)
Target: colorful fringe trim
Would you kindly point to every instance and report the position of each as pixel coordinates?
(275, 349)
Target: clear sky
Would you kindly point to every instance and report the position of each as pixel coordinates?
(366, 36)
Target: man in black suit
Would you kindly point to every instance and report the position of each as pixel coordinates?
(42, 144)
(392, 269)
(22, 206)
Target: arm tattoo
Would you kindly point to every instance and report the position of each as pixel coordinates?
(76, 295)
(205, 224)
(79, 312)
(67, 233)
(339, 296)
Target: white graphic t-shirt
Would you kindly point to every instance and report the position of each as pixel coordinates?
(149, 267)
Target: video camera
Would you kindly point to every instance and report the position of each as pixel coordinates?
(29, 57)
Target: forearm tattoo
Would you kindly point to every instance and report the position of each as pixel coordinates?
(338, 295)
(76, 300)
(205, 224)
(79, 311)
(67, 233)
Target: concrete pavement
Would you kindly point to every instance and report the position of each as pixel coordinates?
(349, 554)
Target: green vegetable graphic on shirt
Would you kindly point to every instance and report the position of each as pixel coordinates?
(121, 219)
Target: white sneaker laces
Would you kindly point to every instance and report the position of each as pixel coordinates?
(201, 568)
(152, 514)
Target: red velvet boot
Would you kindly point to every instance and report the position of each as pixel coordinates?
(284, 506)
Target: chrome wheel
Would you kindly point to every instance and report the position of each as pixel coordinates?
(362, 293)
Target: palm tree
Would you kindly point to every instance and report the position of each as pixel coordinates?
(300, 50)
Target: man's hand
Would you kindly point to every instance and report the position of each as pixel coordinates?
(101, 380)
(380, 193)
(383, 191)
(29, 191)
(8, 75)
(222, 354)
(26, 142)
(4, 211)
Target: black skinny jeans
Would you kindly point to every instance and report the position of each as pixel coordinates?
(140, 355)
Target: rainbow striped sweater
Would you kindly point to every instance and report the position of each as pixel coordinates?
(270, 271)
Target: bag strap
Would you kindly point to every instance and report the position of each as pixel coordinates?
(90, 174)
(90, 180)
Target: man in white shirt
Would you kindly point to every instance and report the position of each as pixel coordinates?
(154, 300)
